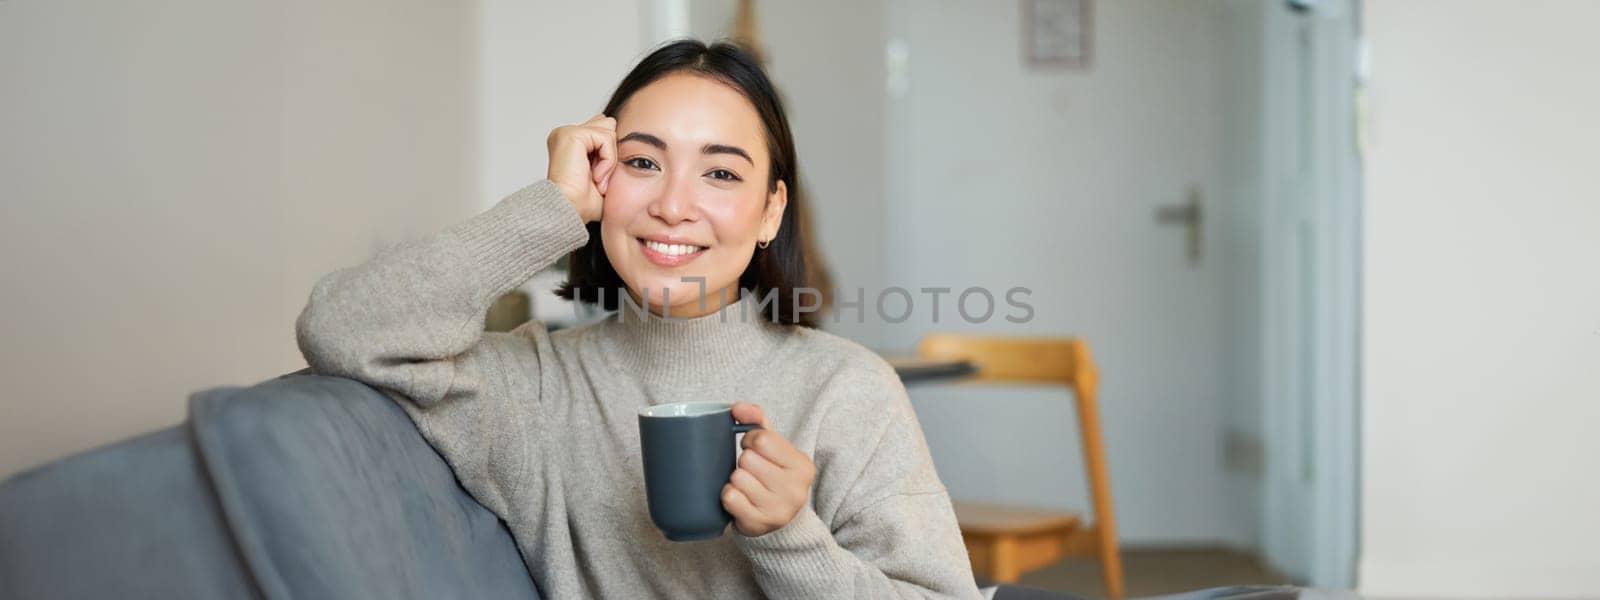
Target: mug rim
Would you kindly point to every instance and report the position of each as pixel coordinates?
(684, 409)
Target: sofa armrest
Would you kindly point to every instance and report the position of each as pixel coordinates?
(131, 520)
(299, 487)
(331, 492)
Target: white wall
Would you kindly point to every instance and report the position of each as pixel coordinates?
(544, 64)
(1001, 175)
(1482, 305)
(177, 173)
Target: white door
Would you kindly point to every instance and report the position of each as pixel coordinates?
(1311, 235)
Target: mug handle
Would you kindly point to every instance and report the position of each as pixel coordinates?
(742, 428)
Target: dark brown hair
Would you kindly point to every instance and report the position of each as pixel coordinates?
(790, 262)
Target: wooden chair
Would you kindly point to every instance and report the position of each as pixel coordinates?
(1004, 541)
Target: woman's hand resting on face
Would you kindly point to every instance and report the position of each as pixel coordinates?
(581, 160)
(773, 480)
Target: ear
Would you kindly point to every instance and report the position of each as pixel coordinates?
(777, 202)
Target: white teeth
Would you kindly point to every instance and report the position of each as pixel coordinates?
(672, 249)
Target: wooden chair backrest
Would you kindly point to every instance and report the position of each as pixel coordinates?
(998, 359)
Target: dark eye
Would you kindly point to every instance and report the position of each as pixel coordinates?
(724, 175)
(640, 162)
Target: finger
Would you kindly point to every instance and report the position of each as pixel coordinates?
(763, 468)
(772, 445)
(603, 144)
(610, 165)
(748, 442)
(739, 505)
(565, 141)
(750, 414)
(758, 493)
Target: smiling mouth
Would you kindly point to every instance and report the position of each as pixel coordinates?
(670, 255)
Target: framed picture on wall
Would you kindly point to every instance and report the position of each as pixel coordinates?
(1058, 33)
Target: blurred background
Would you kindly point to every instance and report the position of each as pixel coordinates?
(1336, 260)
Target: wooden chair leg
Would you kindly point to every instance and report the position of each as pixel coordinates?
(1087, 383)
(1003, 559)
(1111, 565)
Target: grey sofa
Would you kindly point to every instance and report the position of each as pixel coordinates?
(299, 487)
(302, 486)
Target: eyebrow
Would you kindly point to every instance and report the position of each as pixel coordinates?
(706, 149)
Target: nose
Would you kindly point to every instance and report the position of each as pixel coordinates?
(676, 203)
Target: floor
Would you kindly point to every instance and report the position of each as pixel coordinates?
(1151, 572)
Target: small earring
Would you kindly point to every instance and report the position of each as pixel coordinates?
(763, 244)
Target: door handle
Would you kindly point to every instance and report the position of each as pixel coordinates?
(1190, 215)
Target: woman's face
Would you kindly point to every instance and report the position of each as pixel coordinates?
(689, 197)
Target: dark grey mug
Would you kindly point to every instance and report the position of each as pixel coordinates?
(688, 451)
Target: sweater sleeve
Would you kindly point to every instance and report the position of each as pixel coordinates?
(890, 530)
(410, 322)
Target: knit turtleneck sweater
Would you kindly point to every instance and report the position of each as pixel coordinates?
(542, 427)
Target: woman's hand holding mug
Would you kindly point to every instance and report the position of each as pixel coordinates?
(582, 158)
(773, 480)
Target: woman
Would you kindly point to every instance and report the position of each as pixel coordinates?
(680, 198)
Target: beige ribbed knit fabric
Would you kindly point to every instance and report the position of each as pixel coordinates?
(542, 427)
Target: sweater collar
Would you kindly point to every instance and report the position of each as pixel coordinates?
(694, 352)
